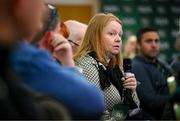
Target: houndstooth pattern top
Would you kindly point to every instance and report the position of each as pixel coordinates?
(90, 71)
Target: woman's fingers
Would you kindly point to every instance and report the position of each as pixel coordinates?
(130, 82)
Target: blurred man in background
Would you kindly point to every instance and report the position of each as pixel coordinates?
(151, 73)
(76, 33)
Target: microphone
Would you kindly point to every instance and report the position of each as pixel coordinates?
(128, 100)
(127, 110)
(127, 66)
(127, 70)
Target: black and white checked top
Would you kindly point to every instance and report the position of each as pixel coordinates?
(90, 71)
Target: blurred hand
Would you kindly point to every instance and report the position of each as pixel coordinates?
(130, 82)
(62, 50)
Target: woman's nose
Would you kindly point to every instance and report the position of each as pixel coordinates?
(118, 38)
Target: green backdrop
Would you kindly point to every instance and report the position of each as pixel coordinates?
(162, 14)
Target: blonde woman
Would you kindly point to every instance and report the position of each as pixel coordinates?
(100, 58)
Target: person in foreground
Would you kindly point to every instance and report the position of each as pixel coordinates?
(22, 19)
(54, 38)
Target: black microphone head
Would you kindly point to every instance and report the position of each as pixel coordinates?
(127, 64)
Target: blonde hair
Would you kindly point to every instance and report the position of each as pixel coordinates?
(93, 40)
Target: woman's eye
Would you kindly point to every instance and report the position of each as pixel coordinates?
(112, 34)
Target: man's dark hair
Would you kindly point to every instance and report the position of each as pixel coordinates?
(144, 30)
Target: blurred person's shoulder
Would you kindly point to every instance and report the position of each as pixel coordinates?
(24, 51)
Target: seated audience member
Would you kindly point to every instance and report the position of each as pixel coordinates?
(151, 73)
(175, 97)
(54, 39)
(37, 69)
(76, 33)
(130, 47)
(176, 62)
(100, 58)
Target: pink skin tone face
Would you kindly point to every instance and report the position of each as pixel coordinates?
(111, 36)
(150, 45)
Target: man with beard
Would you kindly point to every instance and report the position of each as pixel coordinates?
(151, 73)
